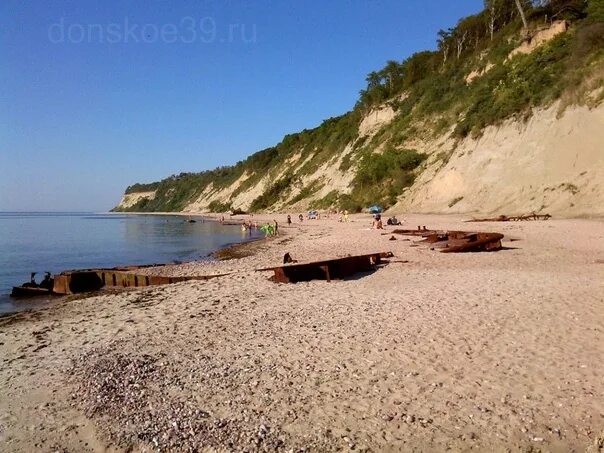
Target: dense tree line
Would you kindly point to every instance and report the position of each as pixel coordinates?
(472, 33)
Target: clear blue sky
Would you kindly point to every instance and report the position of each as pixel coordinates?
(97, 95)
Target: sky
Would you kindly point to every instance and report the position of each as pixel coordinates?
(99, 95)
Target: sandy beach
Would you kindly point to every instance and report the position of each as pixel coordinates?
(495, 351)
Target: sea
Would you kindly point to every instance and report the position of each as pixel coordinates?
(53, 242)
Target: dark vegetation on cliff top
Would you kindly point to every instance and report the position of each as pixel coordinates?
(430, 95)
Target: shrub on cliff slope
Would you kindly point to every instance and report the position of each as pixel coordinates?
(381, 177)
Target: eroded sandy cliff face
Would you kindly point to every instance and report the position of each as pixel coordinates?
(326, 178)
(130, 199)
(553, 163)
(540, 37)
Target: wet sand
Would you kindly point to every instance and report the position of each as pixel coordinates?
(482, 351)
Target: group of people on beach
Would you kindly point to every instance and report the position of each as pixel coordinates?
(272, 228)
(249, 226)
(377, 223)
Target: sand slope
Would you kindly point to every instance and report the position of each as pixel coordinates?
(550, 164)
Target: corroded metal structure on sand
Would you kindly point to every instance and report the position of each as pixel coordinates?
(331, 269)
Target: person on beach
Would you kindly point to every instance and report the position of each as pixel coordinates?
(267, 229)
(346, 216)
(289, 219)
(377, 223)
(393, 221)
(301, 217)
(47, 282)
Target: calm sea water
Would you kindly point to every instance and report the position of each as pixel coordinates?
(39, 242)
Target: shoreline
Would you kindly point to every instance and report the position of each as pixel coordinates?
(227, 251)
(433, 351)
(236, 250)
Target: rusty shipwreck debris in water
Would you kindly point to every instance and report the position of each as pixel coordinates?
(89, 280)
(81, 281)
(457, 241)
(518, 218)
(332, 269)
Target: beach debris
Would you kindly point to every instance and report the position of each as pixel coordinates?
(517, 218)
(421, 231)
(456, 241)
(468, 242)
(89, 280)
(336, 268)
(287, 259)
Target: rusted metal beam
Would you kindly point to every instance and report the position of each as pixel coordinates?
(79, 281)
(473, 242)
(421, 231)
(518, 218)
(332, 269)
(457, 241)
